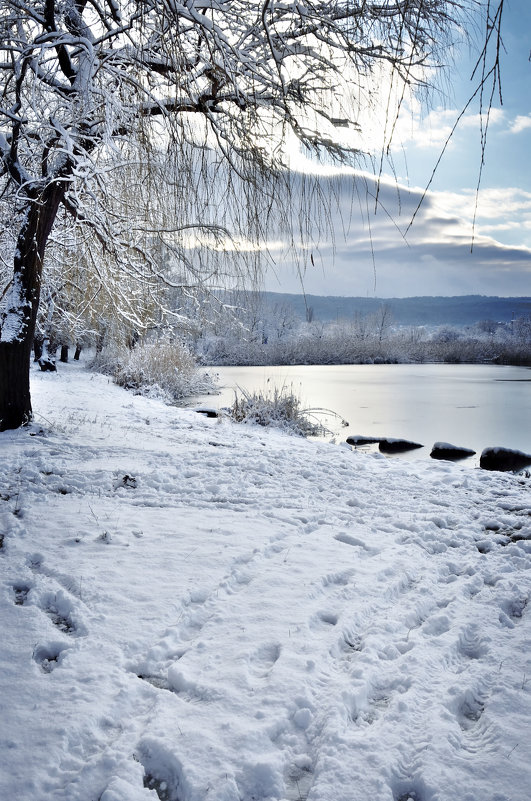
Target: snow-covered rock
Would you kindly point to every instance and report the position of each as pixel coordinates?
(445, 450)
(390, 445)
(503, 459)
(361, 439)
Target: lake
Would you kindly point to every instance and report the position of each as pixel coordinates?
(474, 406)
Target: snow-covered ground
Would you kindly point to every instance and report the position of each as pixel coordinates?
(199, 611)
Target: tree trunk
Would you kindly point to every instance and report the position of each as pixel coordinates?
(64, 354)
(47, 360)
(38, 342)
(19, 317)
(15, 401)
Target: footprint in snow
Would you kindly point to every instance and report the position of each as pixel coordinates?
(21, 591)
(470, 709)
(262, 660)
(401, 586)
(49, 656)
(35, 561)
(163, 772)
(477, 734)
(378, 700)
(323, 620)
(356, 542)
(471, 644)
(298, 781)
(348, 644)
(159, 682)
(407, 784)
(341, 578)
(512, 610)
(61, 612)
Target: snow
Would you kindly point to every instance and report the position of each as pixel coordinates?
(511, 451)
(447, 446)
(14, 312)
(393, 445)
(361, 439)
(198, 610)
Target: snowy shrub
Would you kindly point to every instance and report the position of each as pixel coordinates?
(280, 408)
(158, 369)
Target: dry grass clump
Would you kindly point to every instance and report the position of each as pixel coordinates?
(278, 407)
(165, 370)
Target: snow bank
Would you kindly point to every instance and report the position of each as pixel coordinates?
(194, 610)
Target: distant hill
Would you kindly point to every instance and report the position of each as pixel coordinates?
(458, 310)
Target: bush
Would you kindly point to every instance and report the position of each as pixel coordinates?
(165, 370)
(280, 408)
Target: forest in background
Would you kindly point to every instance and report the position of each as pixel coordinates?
(269, 328)
(421, 310)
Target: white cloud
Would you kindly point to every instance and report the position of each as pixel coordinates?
(435, 129)
(520, 123)
(437, 257)
(502, 209)
(494, 117)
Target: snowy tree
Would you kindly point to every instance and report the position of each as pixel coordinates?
(93, 90)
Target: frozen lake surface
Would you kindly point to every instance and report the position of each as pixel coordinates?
(474, 406)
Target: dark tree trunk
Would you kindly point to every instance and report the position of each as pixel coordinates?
(15, 400)
(77, 353)
(20, 316)
(132, 340)
(47, 359)
(64, 354)
(38, 342)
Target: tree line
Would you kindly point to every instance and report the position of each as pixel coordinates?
(275, 335)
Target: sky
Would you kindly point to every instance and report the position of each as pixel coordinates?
(443, 253)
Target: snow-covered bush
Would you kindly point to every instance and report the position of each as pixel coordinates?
(278, 407)
(159, 369)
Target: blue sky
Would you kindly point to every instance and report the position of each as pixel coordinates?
(436, 257)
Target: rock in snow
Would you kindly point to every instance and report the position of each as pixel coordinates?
(296, 621)
(444, 450)
(208, 411)
(397, 445)
(503, 459)
(360, 439)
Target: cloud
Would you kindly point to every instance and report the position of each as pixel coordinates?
(435, 129)
(436, 257)
(350, 250)
(520, 123)
(506, 209)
